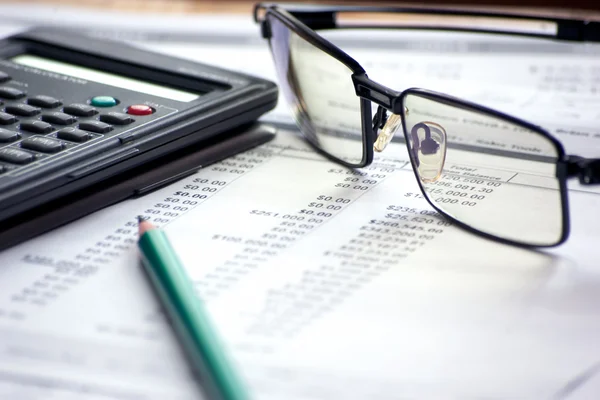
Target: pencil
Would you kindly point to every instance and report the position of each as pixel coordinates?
(189, 319)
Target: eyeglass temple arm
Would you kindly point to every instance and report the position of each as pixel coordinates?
(328, 17)
(586, 169)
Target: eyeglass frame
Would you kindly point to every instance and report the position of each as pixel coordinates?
(304, 20)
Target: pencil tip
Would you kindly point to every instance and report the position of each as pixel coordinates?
(144, 225)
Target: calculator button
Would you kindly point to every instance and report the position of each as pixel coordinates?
(4, 77)
(8, 136)
(44, 101)
(16, 156)
(7, 119)
(116, 118)
(42, 144)
(104, 101)
(95, 126)
(59, 118)
(36, 126)
(139, 109)
(80, 110)
(23, 110)
(74, 135)
(11, 93)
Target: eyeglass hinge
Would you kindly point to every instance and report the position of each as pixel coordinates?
(587, 170)
(265, 29)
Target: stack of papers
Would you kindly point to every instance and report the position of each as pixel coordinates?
(315, 292)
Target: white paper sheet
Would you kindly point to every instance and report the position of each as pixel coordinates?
(312, 306)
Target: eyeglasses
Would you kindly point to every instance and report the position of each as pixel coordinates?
(492, 174)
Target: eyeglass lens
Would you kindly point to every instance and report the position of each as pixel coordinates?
(489, 173)
(492, 174)
(321, 94)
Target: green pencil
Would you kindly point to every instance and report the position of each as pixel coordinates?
(190, 321)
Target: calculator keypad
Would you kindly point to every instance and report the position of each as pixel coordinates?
(95, 126)
(116, 118)
(74, 135)
(140, 109)
(44, 101)
(80, 110)
(36, 127)
(16, 156)
(59, 118)
(43, 144)
(7, 119)
(23, 110)
(7, 136)
(11, 93)
(39, 126)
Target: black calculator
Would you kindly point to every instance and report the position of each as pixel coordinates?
(75, 111)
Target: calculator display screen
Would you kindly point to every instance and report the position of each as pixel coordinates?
(106, 78)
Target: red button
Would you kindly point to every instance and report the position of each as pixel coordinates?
(139, 109)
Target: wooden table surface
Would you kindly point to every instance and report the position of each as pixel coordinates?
(576, 8)
(166, 6)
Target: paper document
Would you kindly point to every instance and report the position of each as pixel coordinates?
(325, 283)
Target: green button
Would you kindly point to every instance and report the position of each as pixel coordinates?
(103, 101)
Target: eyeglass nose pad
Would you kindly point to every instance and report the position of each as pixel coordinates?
(428, 148)
(392, 125)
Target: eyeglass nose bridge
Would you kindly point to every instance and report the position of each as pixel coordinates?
(385, 136)
(428, 151)
(385, 128)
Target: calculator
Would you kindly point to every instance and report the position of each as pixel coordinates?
(75, 111)
(135, 182)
